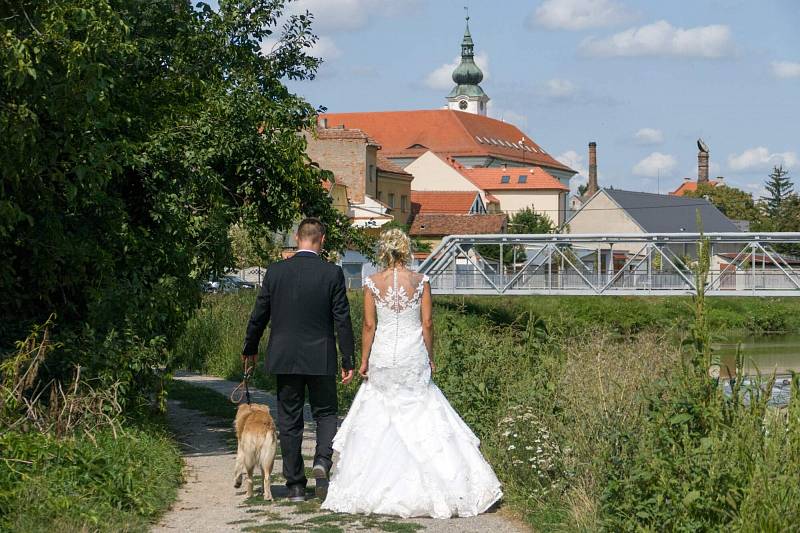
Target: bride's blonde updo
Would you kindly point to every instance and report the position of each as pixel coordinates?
(394, 248)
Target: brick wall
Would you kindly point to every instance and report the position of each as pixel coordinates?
(346, 158)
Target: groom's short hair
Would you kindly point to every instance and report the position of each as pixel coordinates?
(310, 229)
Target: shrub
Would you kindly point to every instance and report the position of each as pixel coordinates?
(97, 482)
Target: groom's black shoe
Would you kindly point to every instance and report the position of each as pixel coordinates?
(297, 493)
(320, 474)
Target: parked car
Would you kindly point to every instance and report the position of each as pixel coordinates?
(233, 283)
(226, 284)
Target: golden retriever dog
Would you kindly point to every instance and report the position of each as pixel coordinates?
(258, 443)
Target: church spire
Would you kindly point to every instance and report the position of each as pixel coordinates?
(467, 95)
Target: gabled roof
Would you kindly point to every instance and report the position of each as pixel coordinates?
(690, 186)
(438, 225)
(344, 134)
(447, 132)
(386, 165)
(664, 213)
(490, 179)
(451, 202)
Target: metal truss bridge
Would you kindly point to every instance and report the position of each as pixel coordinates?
(644, 264)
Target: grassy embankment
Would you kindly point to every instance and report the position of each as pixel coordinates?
(75, 462)
(593, 412)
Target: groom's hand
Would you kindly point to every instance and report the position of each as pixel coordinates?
(347, 376)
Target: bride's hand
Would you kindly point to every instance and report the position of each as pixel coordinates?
(363, 370)
(433, 367)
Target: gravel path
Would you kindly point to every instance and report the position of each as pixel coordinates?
(207, 502)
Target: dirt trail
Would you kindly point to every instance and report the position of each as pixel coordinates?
(208, 502)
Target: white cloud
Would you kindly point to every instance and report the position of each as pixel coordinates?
(344, 15)
(654, 165)
(442, 77)
(785, 69)
(578, 14)
(506, 115)
(516, 119)
(760, 158)
(649, 136)
(558, 89)
(331, 16)
(663, 39)
(324, 48)
(575, 161)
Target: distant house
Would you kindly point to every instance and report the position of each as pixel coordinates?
(505, 188)
(473, 140)
(447, 202)
(689, 185)
(618, 211)
(432, 228)
(369, 177)
(614, 211)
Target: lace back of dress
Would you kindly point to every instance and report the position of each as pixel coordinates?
(396, 289)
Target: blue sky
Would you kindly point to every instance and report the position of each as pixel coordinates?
(642, 79)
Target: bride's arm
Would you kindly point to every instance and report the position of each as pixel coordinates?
(427, 321)
(367, 331)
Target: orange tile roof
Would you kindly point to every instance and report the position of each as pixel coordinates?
(490, 179)
(438, 225)
(344, 133)
(689, 186)
(387, 165)
(445, 131)
(454, 202)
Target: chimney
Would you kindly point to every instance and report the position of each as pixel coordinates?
(592, 188)
(702, 162)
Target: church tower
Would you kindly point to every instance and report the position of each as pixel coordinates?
(467, 95)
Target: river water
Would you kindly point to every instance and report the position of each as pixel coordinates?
(763, 354)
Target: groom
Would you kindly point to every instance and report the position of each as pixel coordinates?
(306, 299)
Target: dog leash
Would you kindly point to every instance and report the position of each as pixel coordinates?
(236, 394)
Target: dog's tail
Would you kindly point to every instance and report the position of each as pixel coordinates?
(259, 448)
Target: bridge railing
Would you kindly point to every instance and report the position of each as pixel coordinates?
(742, 264)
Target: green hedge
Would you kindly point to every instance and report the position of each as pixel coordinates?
(82, 483)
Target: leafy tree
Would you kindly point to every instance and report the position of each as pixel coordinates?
(582, 189)
(135, 133)
(529, 221)
(734, 203)
(780, 188)
(522, 222)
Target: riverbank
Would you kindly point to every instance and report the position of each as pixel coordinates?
(562, 390)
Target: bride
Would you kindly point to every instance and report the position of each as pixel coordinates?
(402, 448)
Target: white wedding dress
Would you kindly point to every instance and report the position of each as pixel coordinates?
(402, 449)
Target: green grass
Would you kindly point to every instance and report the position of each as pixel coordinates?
(100, 483)
(212, 342)
(202, 399)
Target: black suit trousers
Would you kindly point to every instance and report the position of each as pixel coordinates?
(291, 397)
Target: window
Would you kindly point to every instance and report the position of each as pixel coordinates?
(462, 104)
(505, 179)
(523, 178)
(391, 200)
(404, 203)
(371, 172)
(380, 196)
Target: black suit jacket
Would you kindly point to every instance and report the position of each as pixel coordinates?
(306, 299)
